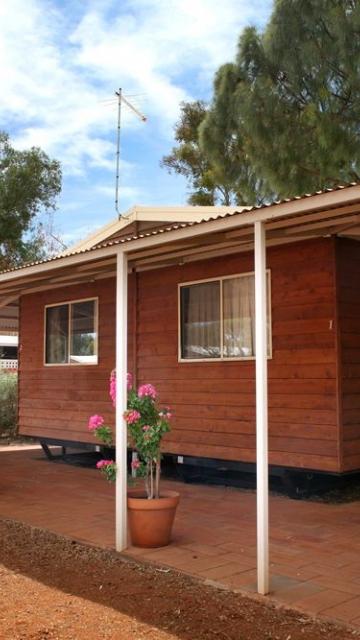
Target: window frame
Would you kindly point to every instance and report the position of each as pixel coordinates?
(69, 303)
(223, 358)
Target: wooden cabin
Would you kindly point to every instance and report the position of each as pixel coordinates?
(191, 330)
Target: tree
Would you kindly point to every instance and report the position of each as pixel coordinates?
(209, 152)
(223, 142)
(29, 184)
(285, 115)
(188, 160)
(300, 96)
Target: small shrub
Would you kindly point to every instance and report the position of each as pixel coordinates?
(8, 404)
(146, 426)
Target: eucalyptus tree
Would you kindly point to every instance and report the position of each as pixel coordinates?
(284, 116)
(299, 95)
(29, 183)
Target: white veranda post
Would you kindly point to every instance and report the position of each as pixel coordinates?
(262, 472)
(121, 392)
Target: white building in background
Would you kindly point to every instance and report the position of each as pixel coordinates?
(9, 351)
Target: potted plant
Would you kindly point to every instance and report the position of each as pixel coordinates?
(151, 512)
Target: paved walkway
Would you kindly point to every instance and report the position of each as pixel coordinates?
(315, 548)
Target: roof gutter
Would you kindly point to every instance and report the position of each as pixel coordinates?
(173, 233)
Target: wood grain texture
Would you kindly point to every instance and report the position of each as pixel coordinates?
(213, 402)
(59, 399)
(348, 269)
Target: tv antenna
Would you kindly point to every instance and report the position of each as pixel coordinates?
(122, 100)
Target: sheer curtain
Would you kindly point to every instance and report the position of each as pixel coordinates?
(239, 316)
(57, 334)
(200, 304)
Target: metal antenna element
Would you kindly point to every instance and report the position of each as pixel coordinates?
(64, 246)
(121, 99)
(119, 94)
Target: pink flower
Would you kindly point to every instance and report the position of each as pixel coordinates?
(165, 414)
(146, 427)
(103, 463)
(112, 387)
(95, 422)
(147, 390)
(135, 464)
(132, 416)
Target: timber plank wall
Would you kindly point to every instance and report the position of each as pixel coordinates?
(213, 402)
(348, 285)
(56, 401)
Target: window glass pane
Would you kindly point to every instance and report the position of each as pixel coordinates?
(239, 317)
(8, 353)
(83, 332)
(57, 334)
(200, 320)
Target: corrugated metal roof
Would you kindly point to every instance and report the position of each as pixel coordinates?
(176, 226)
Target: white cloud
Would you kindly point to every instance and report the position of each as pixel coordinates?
(61, 60)
(51, 104)
(54, 72)
(153, 46)
(125, 192)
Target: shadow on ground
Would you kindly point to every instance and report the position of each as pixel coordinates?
(165, 599)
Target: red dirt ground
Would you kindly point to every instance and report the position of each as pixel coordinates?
(53, 588)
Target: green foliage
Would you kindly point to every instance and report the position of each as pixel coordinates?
(108, 469)
(146, 426)
(284, 119)
(300, 95)
(104, 433)
(29, 184)
(188, 160)
(147, 432)
(223, 142)
(8, 403)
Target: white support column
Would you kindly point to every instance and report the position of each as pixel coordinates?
(121, 393)
(262, 472)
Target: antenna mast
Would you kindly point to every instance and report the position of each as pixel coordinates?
(121, 99)
(119, 95)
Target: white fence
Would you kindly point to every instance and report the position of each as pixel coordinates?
(8, 364)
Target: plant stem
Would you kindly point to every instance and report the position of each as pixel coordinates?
(151, 480)
(147, 487)
(157, 477)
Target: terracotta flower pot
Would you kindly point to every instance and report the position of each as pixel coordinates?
(151, 521)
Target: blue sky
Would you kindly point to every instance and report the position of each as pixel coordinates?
(61, 63)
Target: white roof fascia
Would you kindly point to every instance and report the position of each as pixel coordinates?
(151, 214)
(320, 202)
(100, 234)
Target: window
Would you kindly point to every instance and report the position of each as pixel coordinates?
(8, 353)
(217, 318)
(71, 333)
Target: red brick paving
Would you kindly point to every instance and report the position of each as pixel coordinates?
(314, 552)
